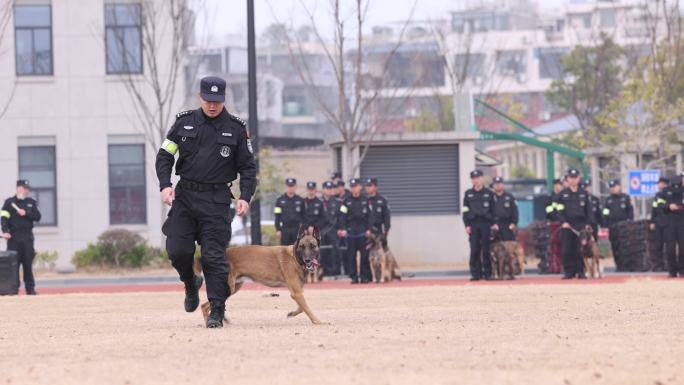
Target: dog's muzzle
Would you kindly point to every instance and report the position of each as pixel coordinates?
(311, 264)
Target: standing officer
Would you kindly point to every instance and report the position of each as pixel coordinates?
(289, 213)
(356, 222)
(342, 193)
(329, 252)
(18, 215)
(478, 215)
(595, 207)
(505, 211)
(214, 147)
(381, 210)
(573, 208)
(314, 216)
(660, 223)
(616, 208)
(550, 207)
(675, 247)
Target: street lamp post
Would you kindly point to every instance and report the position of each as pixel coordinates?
(255, 212)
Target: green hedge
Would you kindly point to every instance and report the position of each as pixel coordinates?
(119, 248)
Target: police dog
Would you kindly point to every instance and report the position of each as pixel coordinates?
(275, 266)
(508, 258)
(591, 255)
(384, 267)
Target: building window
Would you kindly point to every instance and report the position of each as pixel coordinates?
(582, 20)
(551, 62)
(296, 101)
(123, 38)
(470, 66)
(33, 39)
(127, 197)
(608, 18)
(511, 63)
(37, 164)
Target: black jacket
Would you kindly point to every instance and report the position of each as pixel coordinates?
(478, 206)
(617, 208)
(21, 228)
(331, 207)
(314, 214)
(505, 209)
(289, 212)
(574, 207)
(381, 212)
(211, 151)
(659, 214)
(357, 216)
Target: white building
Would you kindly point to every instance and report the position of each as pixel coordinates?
(71, 126)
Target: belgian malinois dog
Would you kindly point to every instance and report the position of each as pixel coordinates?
(275, 266)
(384, 267)
(508, 258)
(591, 255)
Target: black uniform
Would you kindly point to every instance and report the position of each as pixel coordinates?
(356, 219)
(289, 215)
(595, 214)
(574, 208)
(314, 215)
(550, 207)
(212, 153)
(478, 214)
(21, 230)
(382, 217)
(616, 208)
(505, 214)
(675, 245)
(660, 218)
(329, 241)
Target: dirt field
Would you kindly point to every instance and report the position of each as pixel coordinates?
(466, 334)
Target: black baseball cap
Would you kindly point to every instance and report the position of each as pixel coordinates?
(614, 182)
(371, 181)
(497, 179)
(291, 181)
(336, 175)
(354, 182)
(311, 185)
(557, 181)
(475, 173)
(213, 89)
(587, 182)
(23, 183)
(573, 172)
(328, 184)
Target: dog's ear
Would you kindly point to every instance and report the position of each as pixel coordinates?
(317, 234)
(301, 232)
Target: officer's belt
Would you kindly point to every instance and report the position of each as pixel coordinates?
(189, 185)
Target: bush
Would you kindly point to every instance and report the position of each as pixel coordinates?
(268, 236)
(120, 248)
(46, 260)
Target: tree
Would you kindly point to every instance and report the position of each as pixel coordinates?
(6, 8)
(357, 87)
(593, 77)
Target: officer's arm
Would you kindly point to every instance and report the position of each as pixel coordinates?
(465, 212)
(246, 166)
(165, 159)
(5, 215)
(371, 219)
(515, 212)
(630, 209)
(589, 211)
(342, 220)
(388, 216)
(559, 208)
(33, 213)
(322, 221)
(278, 211)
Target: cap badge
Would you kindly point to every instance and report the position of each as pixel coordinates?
(214, 89)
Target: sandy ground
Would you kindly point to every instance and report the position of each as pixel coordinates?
(469, 334)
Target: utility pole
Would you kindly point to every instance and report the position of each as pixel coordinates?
(255, 211)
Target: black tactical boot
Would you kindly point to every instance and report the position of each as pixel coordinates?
(192, 293)
(216, 315)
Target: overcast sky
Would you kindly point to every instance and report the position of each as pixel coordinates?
(229, 16)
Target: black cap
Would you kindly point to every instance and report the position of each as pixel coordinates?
(354, 182)
(614, 182)
(310, 185)
(213, 89)
(371, 181)
(587, 182)
(557, 181)
(664, 180)
(336, 175)
(497, 179)
(475, 173)
(340, 183)
(23, 183)
(290, 181)
(573, 172)
(328, 184)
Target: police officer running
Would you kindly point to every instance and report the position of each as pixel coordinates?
(329, 251)
(214, 147)
(17, 217)
(356, 222)
(382, 217)
(573, 208)
(675, 246)
(289, 213)
(616, 208)
(660, 223)
(478, 215)
(505, 211)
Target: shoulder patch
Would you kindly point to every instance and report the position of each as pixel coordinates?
(238, 120)
(184, 113)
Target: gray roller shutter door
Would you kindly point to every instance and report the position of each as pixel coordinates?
(416, 180)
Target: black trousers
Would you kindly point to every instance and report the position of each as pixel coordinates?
(675, 248)
(570, 253)
(202, 217)
(615, 247)
(329, 254)
(357, 244)
(480, 257)
(25, 255)
(289, 235)
(663, 237)
(505, 232)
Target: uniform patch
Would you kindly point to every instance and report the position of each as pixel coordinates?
(249, 146)
(379, 209)
(184, 113)
(225, 151)
(226, 134)
(235, 118)
(188, 127)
